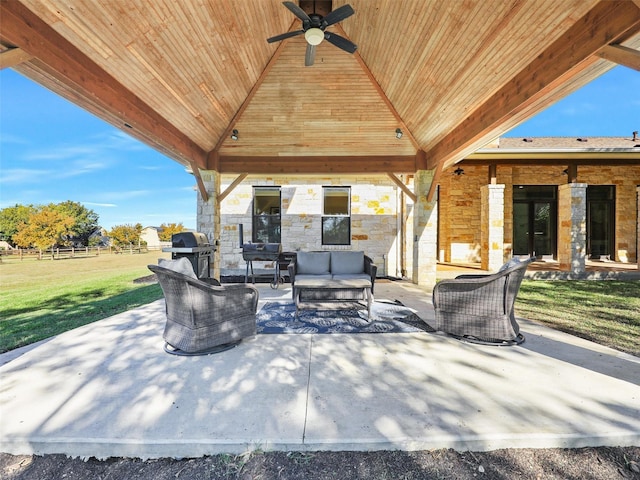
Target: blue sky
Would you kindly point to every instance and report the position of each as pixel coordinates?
(52, 151)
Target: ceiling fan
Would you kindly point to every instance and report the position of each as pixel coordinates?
(313, 28)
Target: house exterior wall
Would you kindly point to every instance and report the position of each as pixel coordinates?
(375, 205)
(460, 238)
(382, 217)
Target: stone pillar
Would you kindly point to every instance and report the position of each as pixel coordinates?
(492, 227)
(572, 227)
(425, 232)
(208, 216)
(638, 227)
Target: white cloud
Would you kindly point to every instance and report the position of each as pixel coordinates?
(97, 204)
(122, 195)
(8, 138)
(24, 175)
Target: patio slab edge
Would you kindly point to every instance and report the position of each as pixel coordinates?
(146, 449)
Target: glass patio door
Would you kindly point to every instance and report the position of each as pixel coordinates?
(534, 220)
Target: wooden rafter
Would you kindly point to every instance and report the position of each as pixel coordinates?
(12, 57)
(70, 66)
(621, 55)
(567, 57)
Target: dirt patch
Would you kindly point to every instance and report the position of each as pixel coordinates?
(601, 463)
(147, 279)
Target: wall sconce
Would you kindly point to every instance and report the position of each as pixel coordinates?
(234, 135)
(458, 171)
(398, 133)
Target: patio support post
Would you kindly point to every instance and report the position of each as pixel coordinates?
(425, 231)
(492, 227)
(572, 224)
(208, 216)
(638, 227)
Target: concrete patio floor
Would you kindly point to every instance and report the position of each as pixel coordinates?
(108, 389)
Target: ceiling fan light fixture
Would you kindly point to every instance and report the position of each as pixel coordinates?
(314, 36)
(234, 135)
(398, 133)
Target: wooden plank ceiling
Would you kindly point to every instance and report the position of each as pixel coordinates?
(182, 75)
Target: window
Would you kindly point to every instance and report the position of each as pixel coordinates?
(336, 219)
(266, 215)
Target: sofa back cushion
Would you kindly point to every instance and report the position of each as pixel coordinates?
(347, 262)
(313, 263)
(181, 265)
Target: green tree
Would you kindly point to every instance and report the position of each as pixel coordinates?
(168, 229)
(44, 229)
(11, 218)
(126, 235)
(85, 220)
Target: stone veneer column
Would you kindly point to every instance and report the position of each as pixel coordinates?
(492, 227)
(208, 216)
(425, 232)
(638, 227)
(572, 223)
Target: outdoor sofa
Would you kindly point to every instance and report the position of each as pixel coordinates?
(332, 276)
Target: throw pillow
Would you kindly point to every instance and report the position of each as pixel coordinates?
(181, 265)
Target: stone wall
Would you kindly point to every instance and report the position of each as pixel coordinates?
(460, 231)
(374, 220)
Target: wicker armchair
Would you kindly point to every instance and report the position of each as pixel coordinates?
(204, 318)
(479, 308)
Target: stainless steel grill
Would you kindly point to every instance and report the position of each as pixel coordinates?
(262, 252)
(196, 248)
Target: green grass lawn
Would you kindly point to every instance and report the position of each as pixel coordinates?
(42, 298)
(606, 312)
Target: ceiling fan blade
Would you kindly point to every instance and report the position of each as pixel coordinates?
(297, 11)
(340, 42)
(338, 15)
(282, 36)
(310, 56)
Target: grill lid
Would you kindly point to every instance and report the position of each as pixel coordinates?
(189, 239)
(261, 251)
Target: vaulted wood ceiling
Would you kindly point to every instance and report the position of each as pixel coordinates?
(451, 74)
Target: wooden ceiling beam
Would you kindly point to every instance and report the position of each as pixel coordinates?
(317, 164)
(621, 55)
(566, 58)
(12, 57)
(92, 85)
